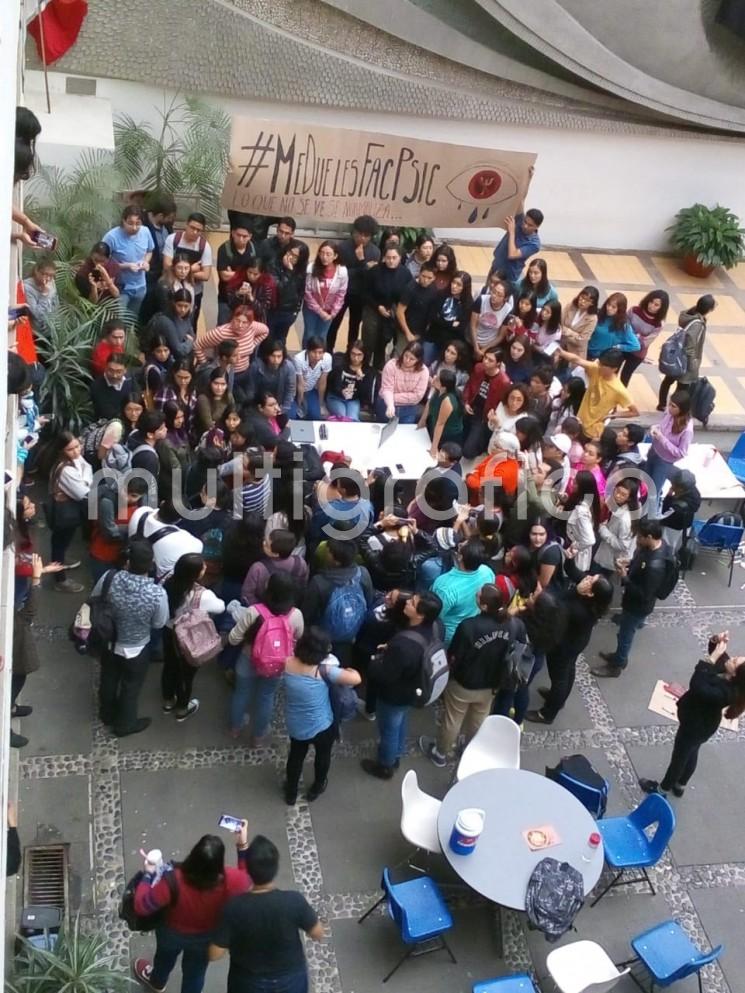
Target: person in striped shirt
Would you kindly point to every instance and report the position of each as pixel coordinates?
(244, 329)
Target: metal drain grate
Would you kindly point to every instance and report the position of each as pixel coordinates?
(45, 876)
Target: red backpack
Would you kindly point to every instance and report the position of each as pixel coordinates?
(274, 643)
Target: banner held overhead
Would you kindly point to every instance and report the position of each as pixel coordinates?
(337, 174)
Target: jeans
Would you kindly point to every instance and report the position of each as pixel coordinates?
(407, 413)
(432, 352)
(280, 324)
(132, 299)
(354, 305)
(193, 949)
(314, 326)
(177, 678)
(476, 439)
(322, 743)
(61, 539)
(285, 982)
(119, 690)
(254, 693)
(392, 722)
(506, 700)
(338, 407)
(659, 470)
(312, 405)
(628, 625)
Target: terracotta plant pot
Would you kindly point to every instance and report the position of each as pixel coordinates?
(693, 267)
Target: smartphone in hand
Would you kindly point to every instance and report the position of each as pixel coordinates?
(229, 823)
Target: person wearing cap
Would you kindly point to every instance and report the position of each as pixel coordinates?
(501, 468)
(556, 448)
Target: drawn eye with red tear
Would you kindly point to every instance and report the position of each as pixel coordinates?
(482, 186)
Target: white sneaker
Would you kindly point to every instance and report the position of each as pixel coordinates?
(192, 708)
(364, 713)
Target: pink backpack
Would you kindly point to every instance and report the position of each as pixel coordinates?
(196, 635)
(273, 644)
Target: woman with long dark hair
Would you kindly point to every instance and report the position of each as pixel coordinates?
(536, 282)
(384, 286)
(456, 358)
(717, 684)
(583, 604)
(693, 324)
(325, 289)
(583, 507)
(179, 388)
(579, 320)
(403, 385)
(446, 267)
(70, 483)
(671, 439)
(443, 413)
(613, 329)
(452, 318)
(349, 382)
(184, 593)
(646, 319)
(193, 899)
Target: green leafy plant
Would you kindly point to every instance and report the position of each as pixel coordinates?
(711, 234)
(186, 155)
(78, 963)
(65, 342)
(76, 205)
(410, 235)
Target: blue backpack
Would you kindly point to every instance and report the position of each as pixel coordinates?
(345, 611)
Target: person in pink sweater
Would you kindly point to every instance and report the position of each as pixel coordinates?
(325, 289)
(403, 386)
(671, 439)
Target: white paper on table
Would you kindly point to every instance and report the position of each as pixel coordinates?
(664, 703)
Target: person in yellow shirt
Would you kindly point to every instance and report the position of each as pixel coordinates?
(605, 393)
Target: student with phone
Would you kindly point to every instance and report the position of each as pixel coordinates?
(193, 899)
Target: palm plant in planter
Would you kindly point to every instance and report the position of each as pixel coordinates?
(78, 963)
(707, 237)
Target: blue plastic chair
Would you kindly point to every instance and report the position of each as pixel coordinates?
(668, 954)
(420, 912)
(720, 539)
(736, 460)
(520, 982)
(627, 845)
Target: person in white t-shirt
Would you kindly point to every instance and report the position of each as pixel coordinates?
(313, 366)
(489, 312)
(192, 244)
(169, 541)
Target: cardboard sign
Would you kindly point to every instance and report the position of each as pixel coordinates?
(336, 174)
(664, 702)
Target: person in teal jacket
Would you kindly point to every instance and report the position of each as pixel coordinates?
(613, 329)
(457, 588)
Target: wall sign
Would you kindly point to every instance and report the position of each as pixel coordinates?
(337, 174)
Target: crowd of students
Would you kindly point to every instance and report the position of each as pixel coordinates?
(533, 510)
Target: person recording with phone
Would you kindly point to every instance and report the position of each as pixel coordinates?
(193, 899)
(96, 277)
(717, 684)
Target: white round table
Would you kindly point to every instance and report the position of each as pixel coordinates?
(515, 800)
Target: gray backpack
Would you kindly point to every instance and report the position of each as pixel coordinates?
(555, 895)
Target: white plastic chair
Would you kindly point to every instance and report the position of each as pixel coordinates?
(496, 745)
(419, 813)
(583, 967)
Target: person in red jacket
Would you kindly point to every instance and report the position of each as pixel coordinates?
(485, 390)
(114, 339)
(203, 885)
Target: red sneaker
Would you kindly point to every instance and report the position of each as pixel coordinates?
(143, 970)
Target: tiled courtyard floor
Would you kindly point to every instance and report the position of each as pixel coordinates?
(168, 786)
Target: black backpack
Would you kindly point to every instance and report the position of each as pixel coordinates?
(576, 774)
(555, 895)
(670, 579)
(103, 618)
(147, 922)
(703, 398)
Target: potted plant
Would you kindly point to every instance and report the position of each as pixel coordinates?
(707, 237)
(78, 963)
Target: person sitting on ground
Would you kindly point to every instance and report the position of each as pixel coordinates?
(268, 422)
(312, 368)
(271, 371)
(204, 886)
(403, 386)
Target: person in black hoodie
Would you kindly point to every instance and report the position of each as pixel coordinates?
(479, 666)
(397, 677)
(718, 682)
(586, 600)
(289, 273)
(679, 506)
(384, 288)
(357, 254)
(642, 579)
